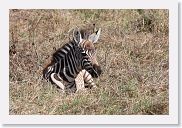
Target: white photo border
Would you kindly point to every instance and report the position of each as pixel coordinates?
(172, 6)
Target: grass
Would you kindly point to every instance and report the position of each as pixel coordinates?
(132, 51)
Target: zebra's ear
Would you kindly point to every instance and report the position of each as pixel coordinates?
(77, 36)
(95, 36)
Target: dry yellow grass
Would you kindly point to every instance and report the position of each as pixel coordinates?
(133, 54)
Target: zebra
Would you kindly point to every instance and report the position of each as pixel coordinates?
(79, 55)
(82, 78)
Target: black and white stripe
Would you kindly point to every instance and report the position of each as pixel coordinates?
(69, 60)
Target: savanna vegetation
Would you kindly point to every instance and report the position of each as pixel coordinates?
(132, 51)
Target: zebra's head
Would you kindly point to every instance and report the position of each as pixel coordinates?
(86, 42)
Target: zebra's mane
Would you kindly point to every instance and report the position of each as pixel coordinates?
(84, 33)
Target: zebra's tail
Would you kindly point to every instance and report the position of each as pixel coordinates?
(47, 71)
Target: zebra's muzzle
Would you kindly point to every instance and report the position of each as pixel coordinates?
(98, 71)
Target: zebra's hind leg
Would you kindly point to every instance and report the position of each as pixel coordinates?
(57, 80)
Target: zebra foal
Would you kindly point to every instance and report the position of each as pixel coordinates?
(77, 56)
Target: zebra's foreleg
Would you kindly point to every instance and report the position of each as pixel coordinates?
(79, 81)
(88, 79)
